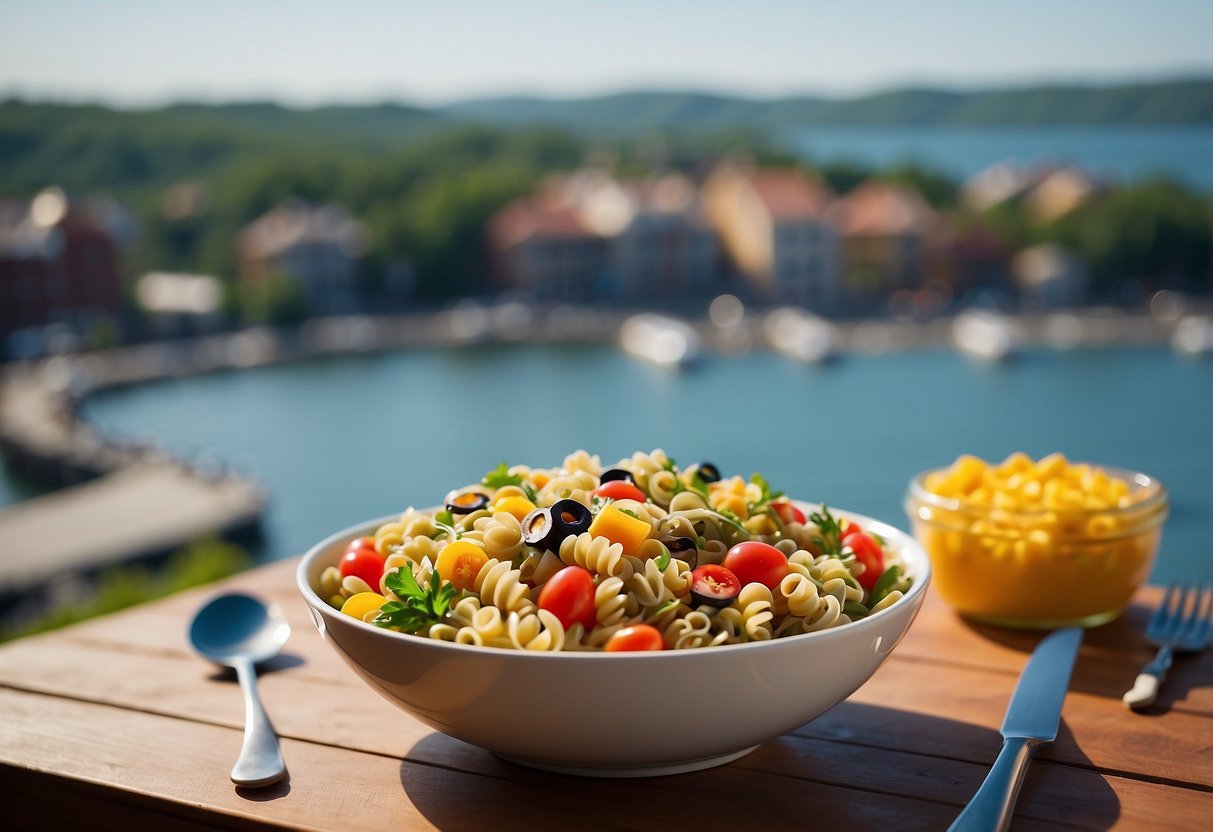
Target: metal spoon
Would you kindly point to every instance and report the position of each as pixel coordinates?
(238, 631)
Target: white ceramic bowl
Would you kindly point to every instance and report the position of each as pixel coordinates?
(617, 714)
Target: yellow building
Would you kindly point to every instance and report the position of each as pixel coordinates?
(774, 226)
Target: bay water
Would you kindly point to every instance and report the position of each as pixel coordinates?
(344, 440)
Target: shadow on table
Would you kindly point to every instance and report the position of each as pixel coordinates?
(1110, 657)
(283, 661)
(857, 764)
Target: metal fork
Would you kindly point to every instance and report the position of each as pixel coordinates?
(1183, 622)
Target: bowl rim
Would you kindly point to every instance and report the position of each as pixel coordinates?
(1155, 499)
(920, 566)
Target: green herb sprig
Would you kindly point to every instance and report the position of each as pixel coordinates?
(500, 477)
(829, 530)
(417, 608)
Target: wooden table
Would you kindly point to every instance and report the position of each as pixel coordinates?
(116, 724)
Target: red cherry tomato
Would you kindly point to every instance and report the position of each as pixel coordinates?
(619, 490)
(868, 552)
(363, 561)
(788, 513)
(637, 637)
(714, 585)
(569, 595)
(756, 562)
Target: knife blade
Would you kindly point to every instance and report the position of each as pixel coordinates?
(1031, 722)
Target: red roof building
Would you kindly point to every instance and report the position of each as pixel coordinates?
(884, 229)
(58, 264)
(774, 225)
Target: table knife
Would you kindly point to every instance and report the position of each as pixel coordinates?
(1031, 722)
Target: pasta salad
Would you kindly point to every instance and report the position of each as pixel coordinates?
(644, 555)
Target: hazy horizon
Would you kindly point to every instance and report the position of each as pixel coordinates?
(140, 53)
(1180, 76)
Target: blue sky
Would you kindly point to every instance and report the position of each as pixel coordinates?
(306, 52)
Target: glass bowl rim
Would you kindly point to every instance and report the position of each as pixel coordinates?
(1156, 498)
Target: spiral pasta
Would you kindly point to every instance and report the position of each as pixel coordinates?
(486, 573)
(597, 554)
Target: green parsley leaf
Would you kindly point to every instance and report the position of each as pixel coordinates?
(829, 531)
(500, 477)
(663, 560)
(670, 465)
(697, 484)
(417, 608)
(529, 491)
(630, 513)
(444, 518)
(767, 495)
(885, 584)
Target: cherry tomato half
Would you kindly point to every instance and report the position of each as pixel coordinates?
(788, 513)
(619, 490)
(362, 561)
(635, 638)
(714, 585)
(569, 595)
(756, 562)
(868, 552)
(459, 562)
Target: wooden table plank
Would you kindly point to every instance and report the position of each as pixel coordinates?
(910, 747)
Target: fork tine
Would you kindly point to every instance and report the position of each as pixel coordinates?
(1200, 618)
(1167, 612)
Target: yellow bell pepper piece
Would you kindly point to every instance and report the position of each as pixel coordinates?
(621, 528)
(520, 507)
(361, 603)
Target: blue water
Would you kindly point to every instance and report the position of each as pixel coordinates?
(346, 440)
(1121, 153)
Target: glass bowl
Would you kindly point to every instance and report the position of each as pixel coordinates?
(1045, 568)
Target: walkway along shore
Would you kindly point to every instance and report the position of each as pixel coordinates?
(121, 501)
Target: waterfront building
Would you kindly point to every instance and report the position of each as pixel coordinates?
(884, 229)
(540, 247)
(319, 247)
(1058, 192)
(970, 260)
(1050, 275)
(775, 227)
(59, 264)
(657, 243)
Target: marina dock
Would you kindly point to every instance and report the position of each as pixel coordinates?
(134, 513)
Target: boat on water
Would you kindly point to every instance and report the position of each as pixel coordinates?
(667, 342)
(989, 336)
(800, 335)
(1193, 335)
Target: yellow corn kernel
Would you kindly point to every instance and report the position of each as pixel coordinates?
(968, 471)
(1016, 462)
(1101, 525)
(1053, 465)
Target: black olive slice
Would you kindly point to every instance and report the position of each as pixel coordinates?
(570, 517)
(467, 502)
(537, 527)
(545, 528)
(708, 472)
(612, 474)
(685, 549)
(714, 585)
